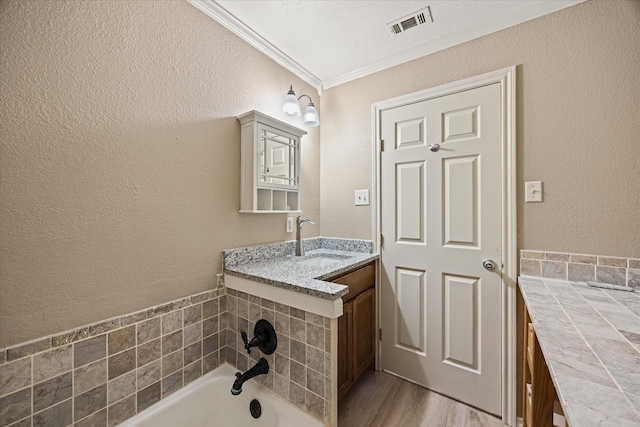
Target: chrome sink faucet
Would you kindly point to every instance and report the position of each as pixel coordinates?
(299, 244)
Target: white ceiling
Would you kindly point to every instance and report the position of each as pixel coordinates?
(328, 42)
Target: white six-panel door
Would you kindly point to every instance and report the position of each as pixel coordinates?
(441, 311)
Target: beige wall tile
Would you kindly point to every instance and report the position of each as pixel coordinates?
(149, 351)
(89, 376)
(148, 330)
(612, 275)
(532, 254)
(554, 269)
(52, 391)
(122, 386)
(612, 262)
(97, 419)
(172, 383)
(89, 350)
(122, 363)
(121, 339)
(15, 375)
(148, 396)
(89, 402)
(120, 411)
(15, 406)
(148, 374)
(556, 256)
(28, 349)
(172, 321)
(58, 415)
(581, 272)
(530, 267)
(584, 259)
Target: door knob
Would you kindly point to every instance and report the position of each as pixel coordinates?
(489, 264)
(434, 147)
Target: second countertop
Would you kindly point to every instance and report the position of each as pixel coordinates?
(590, 339)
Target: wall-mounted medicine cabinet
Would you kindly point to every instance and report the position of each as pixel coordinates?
(270, 164)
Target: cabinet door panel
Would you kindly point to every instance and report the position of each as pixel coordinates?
(345, 369)
(363, 330)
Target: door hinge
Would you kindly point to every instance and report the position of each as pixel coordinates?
(380, 334)
(381, 240)
(382, 145)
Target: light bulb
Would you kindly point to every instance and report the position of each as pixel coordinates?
(291, 105)
(311, 117)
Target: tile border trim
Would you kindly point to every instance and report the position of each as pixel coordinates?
(575, 267)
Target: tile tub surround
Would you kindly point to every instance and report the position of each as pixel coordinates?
(590, 339)
(104, 373)
(581, 268)
(301, 368)
(275, 264)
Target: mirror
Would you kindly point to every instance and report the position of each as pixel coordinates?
(270, 164)
(277, 158)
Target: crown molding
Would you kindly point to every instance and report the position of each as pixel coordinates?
(526, 12)
(517, 16)
(229, 21)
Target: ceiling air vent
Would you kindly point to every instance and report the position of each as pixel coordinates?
(414, 19)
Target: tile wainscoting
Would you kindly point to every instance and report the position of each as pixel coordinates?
(581, 268)
(300, 369)
(103, 373)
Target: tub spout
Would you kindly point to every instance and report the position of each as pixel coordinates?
(262, 367)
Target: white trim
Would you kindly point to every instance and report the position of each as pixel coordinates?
(239, 28)
(324, 307)
(376, 227)
(506, 77)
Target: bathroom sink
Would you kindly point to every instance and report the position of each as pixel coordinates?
(322, 260)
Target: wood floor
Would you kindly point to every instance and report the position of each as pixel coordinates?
(380, 399)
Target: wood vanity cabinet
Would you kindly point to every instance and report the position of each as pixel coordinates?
(539, 392)
(356, 327)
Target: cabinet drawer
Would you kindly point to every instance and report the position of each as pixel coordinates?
(358, 281)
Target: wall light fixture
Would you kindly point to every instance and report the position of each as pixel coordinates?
(291, 106)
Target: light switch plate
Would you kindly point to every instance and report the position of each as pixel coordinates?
(290, 225)
(362, 197)
(533, 191)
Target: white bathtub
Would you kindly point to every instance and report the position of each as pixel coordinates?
(207, 402)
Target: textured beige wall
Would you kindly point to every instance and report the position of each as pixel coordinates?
(578, 126)
(119, 161)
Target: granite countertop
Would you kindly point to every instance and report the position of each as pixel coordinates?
(590, 339)
(275, 265)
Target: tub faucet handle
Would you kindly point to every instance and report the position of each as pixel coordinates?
(264, 338)
(245, 339)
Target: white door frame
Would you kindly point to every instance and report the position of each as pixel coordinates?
(506, 77)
